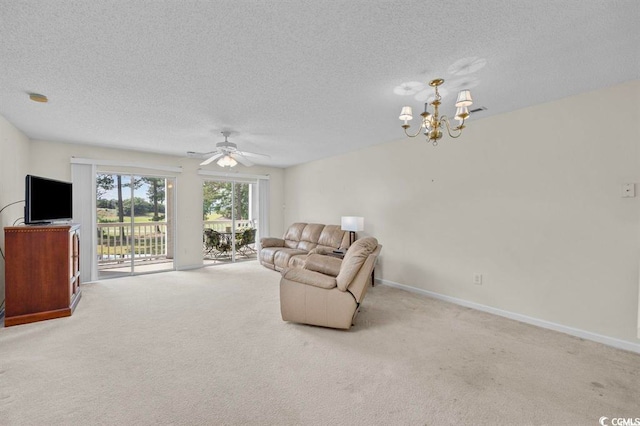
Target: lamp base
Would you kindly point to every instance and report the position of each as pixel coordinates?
(352, 237)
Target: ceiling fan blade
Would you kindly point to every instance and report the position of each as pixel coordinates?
(195, 154)
(252, 154)
(230, 149)
(212, 158)
(241, 159)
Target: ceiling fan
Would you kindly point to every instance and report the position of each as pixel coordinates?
(227, 154)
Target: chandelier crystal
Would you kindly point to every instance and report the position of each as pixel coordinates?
(432, 124)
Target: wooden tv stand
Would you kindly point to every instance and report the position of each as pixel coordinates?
(42, 272)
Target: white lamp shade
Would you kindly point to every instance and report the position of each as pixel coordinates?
(406, 113)
(462, 113)
(464, 99)
(352, 223)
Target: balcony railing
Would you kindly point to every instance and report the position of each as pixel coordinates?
(118, 242)
(149, 240)
(224, 225)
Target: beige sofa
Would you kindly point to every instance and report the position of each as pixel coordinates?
(298, 241)
(328, 291)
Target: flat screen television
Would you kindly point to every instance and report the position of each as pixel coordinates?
(47, 201)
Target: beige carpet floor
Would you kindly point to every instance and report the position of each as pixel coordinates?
(208, 347)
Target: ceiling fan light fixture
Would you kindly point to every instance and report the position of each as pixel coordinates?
(227, 161)
(227, 154)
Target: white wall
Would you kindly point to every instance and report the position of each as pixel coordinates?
(52, 160)
(530, 199)
(14, 159)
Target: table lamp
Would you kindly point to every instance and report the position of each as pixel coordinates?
(352, 224)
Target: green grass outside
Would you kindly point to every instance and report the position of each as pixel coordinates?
(110, 216)
(107, 216)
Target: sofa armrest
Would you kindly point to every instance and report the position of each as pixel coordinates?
(321, 250)
(313, 278)
(271, 242)
(327, 265)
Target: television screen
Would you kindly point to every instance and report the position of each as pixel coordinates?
(47, 200)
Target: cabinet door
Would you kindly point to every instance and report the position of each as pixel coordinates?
(76, 252)
(74, 262)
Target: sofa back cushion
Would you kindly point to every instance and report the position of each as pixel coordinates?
(293, 235)
(354, 259)
(332, 237)
(309, 238)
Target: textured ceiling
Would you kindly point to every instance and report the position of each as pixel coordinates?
(298, 80)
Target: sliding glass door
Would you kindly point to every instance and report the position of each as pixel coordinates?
(230, 221)
(135, 226)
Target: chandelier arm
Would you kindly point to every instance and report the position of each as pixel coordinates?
(445, 119)
(412, 136)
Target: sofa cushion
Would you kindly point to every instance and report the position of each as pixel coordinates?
(354, 259)
(324, 264)
(283, 256)
(298, 260)
(307, 277)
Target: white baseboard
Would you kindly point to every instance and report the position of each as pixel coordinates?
(609, 341)
(189, 267)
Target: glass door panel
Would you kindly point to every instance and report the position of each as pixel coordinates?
(217, 221)
(149, 225)
(229, 228)
(135, 224)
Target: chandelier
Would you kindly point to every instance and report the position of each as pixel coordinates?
(432, 124)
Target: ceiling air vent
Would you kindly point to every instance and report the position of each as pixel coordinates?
(478, 109)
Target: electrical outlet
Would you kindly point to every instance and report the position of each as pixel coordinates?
(477, 279)
(628, 190)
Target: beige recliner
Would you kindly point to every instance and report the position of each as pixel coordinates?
(327, 291)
